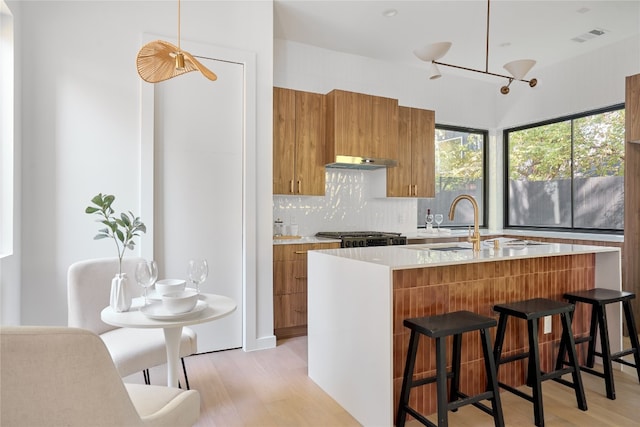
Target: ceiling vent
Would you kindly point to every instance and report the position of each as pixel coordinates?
(596, 32)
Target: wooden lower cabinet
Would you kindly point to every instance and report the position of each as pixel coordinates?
(290, 287)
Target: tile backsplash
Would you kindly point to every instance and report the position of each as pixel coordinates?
(354, 200)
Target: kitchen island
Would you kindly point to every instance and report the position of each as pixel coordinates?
(358, 298)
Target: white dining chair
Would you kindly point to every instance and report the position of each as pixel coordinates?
(132, 350)
(59, 376)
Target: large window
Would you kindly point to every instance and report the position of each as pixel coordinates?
(567, 173)
(460, 169)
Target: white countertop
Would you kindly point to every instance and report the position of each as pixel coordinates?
(424, 255)
(421, 234)
(304, 240)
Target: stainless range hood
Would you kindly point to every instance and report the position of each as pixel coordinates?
(365, 163)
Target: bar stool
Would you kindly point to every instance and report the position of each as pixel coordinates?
(599, 298)
(440, 327)
(532, 310)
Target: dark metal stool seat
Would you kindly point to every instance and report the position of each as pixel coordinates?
(440, 327)
(598, 299)
(532, 310)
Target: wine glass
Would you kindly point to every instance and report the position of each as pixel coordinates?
(438, 218)
(197, 272)
(146, 275)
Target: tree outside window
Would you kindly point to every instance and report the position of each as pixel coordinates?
(460, 169)
(568, 173)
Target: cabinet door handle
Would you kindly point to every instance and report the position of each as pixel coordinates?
(299, 187)
(300, 252)
(415, 190)
(409, 188)
(301, 278)
(291, 186)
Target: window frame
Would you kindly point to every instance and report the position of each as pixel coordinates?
(505, 165)
(485, 164)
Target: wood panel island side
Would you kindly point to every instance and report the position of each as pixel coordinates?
(358, 298)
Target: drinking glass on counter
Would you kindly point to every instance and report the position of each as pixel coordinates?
(438, 219)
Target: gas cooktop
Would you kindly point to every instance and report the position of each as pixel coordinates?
(353, 239)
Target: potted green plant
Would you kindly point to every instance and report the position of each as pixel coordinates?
(122, 229)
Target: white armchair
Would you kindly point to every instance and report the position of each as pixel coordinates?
(132, 350)
(57, 376)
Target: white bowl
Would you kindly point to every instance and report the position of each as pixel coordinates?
(166, 286)
(180, 302)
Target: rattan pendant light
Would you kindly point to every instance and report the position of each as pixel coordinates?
(159, 60)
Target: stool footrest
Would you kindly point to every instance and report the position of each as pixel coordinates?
(480, 405)
(516, 391)
(555, 374)
(418, 416)
(428, 380)
(470, 400)
(580, 340)
(513, 358)
(624, 362)
(484, 408)
(564, 382)
(592, 371)
(618, 355)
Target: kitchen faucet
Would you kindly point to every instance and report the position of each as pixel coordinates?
(475, 239)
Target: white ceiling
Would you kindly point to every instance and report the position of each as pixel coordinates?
(518, 29)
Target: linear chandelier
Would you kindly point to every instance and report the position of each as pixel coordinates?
(160, 60)
(518, 69)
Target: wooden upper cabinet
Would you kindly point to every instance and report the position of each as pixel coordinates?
(298, 142)
(284, 130)
(361, 125)
(399, 177)
(310, 140)
(415, 174)
(384, 128)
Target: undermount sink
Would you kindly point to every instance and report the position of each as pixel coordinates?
(451, 248)
(523, 243)
(440, 248)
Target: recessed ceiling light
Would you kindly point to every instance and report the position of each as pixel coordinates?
(390, 13)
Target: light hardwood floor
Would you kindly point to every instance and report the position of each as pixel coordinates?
(271, 388)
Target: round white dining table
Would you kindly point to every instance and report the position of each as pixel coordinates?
(218, 306)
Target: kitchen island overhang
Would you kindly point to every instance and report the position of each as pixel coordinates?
(357, 299)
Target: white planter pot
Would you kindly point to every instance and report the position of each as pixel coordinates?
(120, 293)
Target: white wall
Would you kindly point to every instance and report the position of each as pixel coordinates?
(80, 108)
(577, 85)
(455, 99)
(10, 258)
